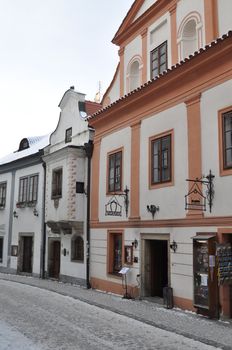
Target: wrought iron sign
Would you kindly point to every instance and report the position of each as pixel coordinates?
(195, 199)
(114, 208)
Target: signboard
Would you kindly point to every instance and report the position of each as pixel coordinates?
(224, 256)
(124, 270)
(113, 208)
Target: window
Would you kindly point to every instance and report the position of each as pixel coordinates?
(161, 159)
(115, 172)
(57, 183)
(115, 252)
(1, 249)
(77, 249)
(68, 135)
(28, 189)
(23, 183)
(159, 60)
(33, 188)
(2, 195)
(227, 139)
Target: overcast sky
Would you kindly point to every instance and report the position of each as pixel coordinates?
(46, 46)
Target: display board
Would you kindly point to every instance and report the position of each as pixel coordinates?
(224, 259)
(201, 273)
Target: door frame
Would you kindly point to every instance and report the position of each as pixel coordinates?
(51, 241)
(21, 236)
(152, 237)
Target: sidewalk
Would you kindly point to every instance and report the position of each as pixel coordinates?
(188, 324)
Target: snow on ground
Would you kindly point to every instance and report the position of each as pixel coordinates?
(36, 319)
(11, 339)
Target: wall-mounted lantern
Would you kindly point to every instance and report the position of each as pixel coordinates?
(15, 214)
(135, 243)
(152, 209)
(35, 212)
(173, 246)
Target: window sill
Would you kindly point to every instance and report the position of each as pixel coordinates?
(161, 185)
(56, 197)
(21, 205)
(226, 172)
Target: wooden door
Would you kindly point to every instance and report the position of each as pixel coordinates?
(55, 268)
(27, 254)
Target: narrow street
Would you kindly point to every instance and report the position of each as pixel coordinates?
(37, 319)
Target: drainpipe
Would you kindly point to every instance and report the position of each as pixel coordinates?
(11, 218)
(89, 152)
(43, 243)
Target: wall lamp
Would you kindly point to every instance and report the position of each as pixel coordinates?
(152, 209)
(35, 212)
(135, 243)
(15, 214)
(173, 246)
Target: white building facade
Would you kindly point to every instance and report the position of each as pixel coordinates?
(166, 120)
(66, 191)
(22, 208)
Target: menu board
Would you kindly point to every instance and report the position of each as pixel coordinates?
(201, 270)
(224, 257)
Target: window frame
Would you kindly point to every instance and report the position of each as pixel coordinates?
(68, 135)
(111, 252)
(77, 250)
(158, 48)
(109, 155)
(224, 170)
(3, 189)
(55, 194)
(34, 183)
(1, 249)
(152, 139)
(24, 190)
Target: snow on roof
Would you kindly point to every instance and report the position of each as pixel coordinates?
(35, 144)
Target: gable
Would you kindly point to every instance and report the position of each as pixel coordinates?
(139, 17)
(145, 6)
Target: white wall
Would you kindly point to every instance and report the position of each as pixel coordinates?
(5, 216)
(110, 143)
(145, 6)
(212, 101)
(224, 14)
(170, 199)
(27, 222)
(114, 92)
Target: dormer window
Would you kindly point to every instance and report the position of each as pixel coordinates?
(68, 135)
(24, 144)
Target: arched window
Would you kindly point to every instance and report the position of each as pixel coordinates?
(77, 249)
(24, 144)
(189, 36)
(134, 73)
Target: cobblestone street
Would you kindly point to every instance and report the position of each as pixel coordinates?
(46, 320)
